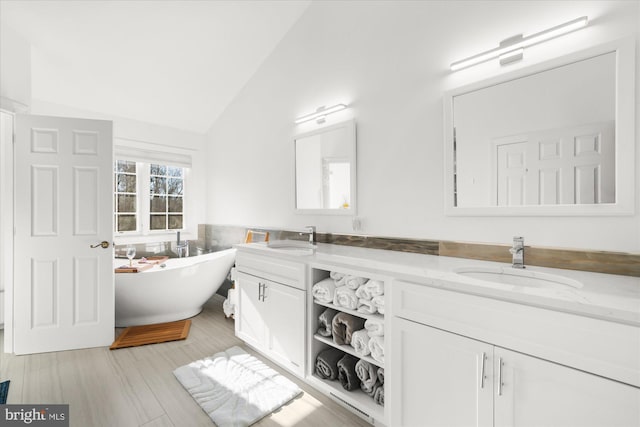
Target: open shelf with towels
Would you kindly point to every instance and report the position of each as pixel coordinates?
(377, 316)
(356, 400)
(348, 349)
(359, 401)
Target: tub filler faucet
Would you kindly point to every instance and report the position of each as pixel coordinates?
(517, 252)
(182, 248)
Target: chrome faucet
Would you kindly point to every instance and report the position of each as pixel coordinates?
(517, 250)
(311, 229)
(182, 248)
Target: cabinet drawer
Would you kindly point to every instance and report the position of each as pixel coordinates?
(288, 272)
(604, 348)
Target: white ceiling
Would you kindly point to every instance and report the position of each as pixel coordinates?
(174, 63)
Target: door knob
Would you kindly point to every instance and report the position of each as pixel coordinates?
(104, 245)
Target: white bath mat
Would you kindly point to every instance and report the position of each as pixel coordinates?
(234, 388)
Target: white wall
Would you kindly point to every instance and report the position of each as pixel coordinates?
(15, 96)
(150, 136)
(6, 215)
(15, 67)
(389, 61)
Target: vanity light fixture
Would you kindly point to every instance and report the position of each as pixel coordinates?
(320, 113)
(512, 49)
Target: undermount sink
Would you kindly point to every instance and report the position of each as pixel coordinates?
(294, 247)
(519, 277)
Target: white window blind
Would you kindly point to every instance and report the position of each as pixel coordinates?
(132, 150)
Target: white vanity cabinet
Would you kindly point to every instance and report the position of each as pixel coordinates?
(444, 377)
(436, 378)
(271, 308)
(537, 392)
(456, 353)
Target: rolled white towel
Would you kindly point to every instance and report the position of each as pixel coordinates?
(324, 290)
(335, 275)
(360, 342)
(371, 288)
(354, 282)
(339, 278)
(366, 306)
(379, 303)
(345, 297)
(374, 327)
(375, 287)
(376, 346)
(362, 292)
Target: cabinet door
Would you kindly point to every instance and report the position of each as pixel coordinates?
(285, 323)
(536, 392)
(251, 312)
(437, 378)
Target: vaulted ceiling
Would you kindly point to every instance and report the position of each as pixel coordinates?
(174, 63)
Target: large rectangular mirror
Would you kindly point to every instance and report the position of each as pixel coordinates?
(552, 139)
(325, 170)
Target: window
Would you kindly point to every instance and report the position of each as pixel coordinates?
(165, 190)
(148, 197)
(126, 193)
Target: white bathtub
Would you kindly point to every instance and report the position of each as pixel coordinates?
(177, 291)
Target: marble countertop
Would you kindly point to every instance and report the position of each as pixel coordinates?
(605, 296)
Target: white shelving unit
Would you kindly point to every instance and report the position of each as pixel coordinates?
(357, 400)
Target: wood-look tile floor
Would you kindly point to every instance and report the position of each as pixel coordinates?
(136, 386)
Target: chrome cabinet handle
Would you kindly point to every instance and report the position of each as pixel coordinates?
(264, 291)
(259, 291)
(500, 376)
(482, 370)
(104, 245)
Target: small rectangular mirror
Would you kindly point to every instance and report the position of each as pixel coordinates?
(325, 170)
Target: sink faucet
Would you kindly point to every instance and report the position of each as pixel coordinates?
(517, 250)
(311, 229)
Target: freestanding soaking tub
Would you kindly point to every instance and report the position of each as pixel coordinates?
(174, 292)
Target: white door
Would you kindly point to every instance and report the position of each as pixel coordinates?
(535, 392)
(512, 173)
(574, 165)
(285, 320)
(440, 378)
(561, 166)
(63, 288)
(251, 312)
